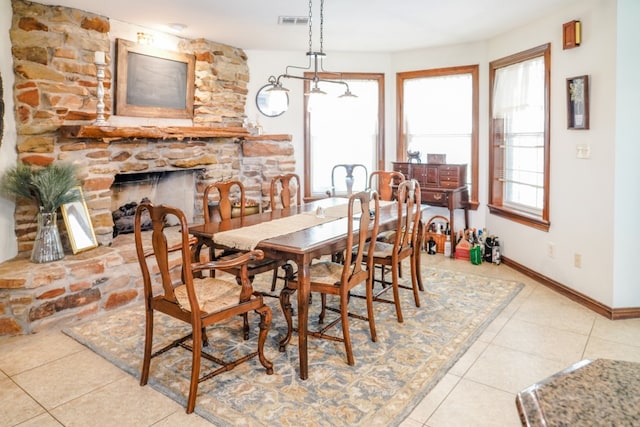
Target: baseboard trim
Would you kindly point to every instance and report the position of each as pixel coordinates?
(591, 304)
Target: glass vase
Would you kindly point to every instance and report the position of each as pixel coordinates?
(47, 246)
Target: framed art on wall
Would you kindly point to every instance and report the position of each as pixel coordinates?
(152, 82)
(578, 102)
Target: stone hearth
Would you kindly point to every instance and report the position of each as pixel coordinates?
(36, 296)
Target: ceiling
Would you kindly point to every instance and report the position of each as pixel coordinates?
(350, 25)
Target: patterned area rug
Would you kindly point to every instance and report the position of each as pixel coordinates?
(390, 377)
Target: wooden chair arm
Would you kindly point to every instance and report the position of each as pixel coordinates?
(241, 259)
(178, 246)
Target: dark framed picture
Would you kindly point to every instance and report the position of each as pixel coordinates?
(152, 82)
(578, 102)
(78, 222)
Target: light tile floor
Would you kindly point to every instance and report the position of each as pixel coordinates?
(48, 379)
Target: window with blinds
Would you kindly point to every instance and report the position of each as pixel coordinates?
(519, 153)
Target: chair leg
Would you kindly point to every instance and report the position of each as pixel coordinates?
(148, 342)
(195, 369)
(245, 326)
(344, 317)
(265, 324)
(212, 257)
(205, 339)
(323, 310)
(396, 293)
(414, 281)
(370, 315)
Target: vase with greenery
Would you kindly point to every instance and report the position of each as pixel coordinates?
(49, 187)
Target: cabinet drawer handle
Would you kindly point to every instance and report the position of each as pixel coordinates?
(437, 196)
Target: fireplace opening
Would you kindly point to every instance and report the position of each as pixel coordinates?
(174, 188)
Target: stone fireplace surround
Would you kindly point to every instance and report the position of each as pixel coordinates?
(55, 103)
(34, 296)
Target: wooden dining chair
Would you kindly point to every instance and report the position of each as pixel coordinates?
(200, 302)
(349, 178)
(405, 245)
(328, 277)
(385, 183)
(229, 193)
(285, 190)
(281, 194)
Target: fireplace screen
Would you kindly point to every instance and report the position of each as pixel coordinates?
(173, 188)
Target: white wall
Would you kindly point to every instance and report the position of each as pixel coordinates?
(627, 156)
(8, 153)
(582, 191)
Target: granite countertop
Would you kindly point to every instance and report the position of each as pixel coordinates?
(601, 392)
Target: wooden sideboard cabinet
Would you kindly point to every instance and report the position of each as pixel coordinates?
(441, 185)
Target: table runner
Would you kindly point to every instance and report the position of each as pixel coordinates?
(247, 238)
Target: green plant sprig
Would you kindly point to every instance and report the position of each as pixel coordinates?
(49, 187)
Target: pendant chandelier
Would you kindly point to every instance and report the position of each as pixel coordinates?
(315, 65)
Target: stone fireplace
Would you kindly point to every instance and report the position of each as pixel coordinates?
(55, 99)
(34, 296)
(55, 96)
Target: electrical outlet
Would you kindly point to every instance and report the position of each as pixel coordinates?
(551, 250)
(577, 260)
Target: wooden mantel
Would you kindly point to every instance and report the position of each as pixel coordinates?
(173, 132)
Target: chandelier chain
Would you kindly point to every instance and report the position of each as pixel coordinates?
(310, 28)
(314, 65)
(321, 24)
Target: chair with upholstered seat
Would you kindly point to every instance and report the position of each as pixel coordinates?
(405, 245)
(339, 279)
(200, 302)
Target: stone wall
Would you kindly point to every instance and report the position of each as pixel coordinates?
(53, 51)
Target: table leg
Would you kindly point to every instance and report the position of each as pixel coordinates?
(303, 315)
(466, 217)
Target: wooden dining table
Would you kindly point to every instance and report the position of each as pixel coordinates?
(302, 247)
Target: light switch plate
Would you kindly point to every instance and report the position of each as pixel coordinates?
(583, 151)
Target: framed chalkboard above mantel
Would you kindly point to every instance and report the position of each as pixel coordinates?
(152, 82)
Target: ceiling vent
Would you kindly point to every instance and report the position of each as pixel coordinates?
(293, 20)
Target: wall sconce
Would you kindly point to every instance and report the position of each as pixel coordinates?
(145, 39)
(571, 34)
